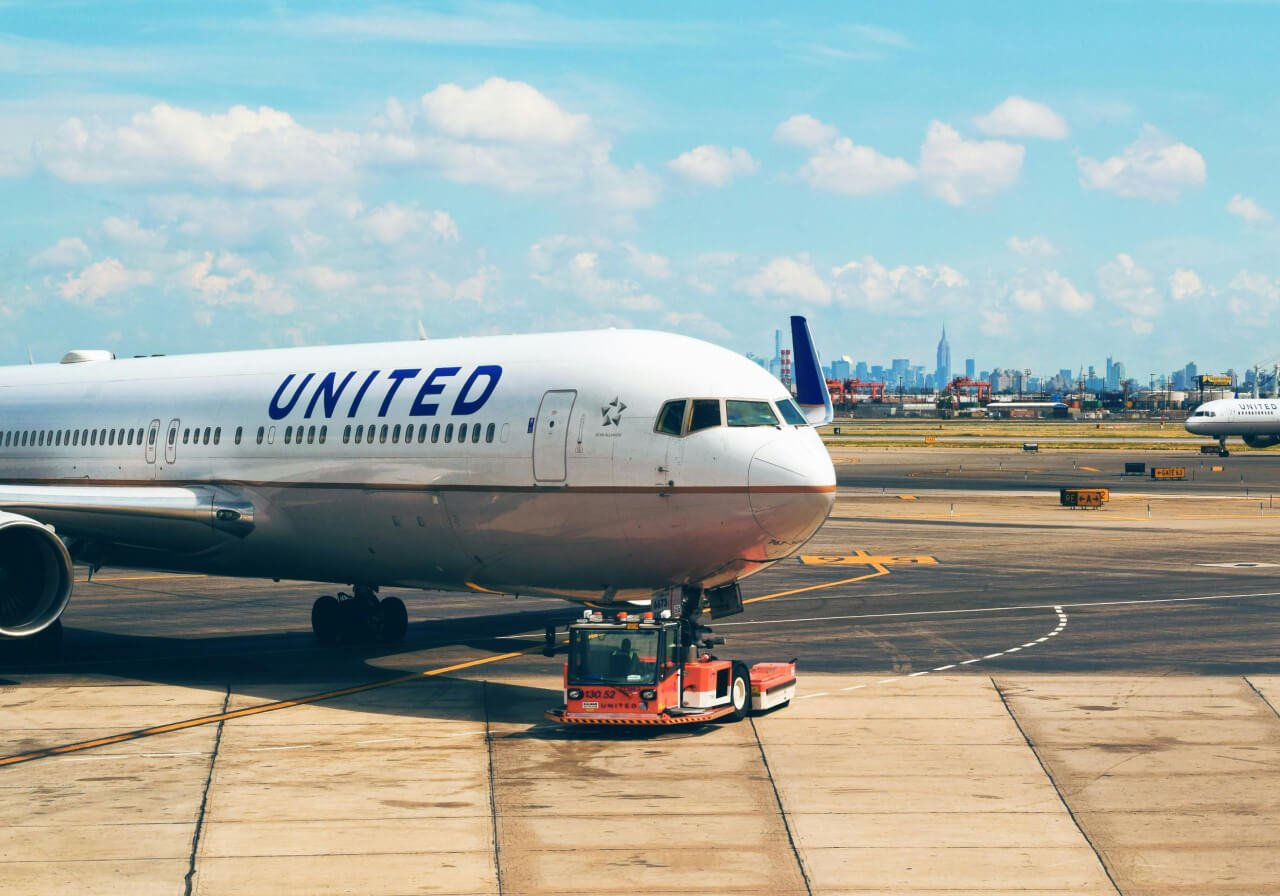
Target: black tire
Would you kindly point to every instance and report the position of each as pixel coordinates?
(326, 619)
(740, 693)
(393, 620)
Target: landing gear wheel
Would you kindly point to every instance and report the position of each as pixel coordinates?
(740, 693)
(1224, 453)
(326, 619)
(393, 620)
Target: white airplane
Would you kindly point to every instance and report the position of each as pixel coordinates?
(602, 467)
(1257, 420)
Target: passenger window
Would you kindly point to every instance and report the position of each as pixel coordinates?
(207, 433)
(382, 436)
(749, 413)
(346, 434)
(288, 434)
(475, 433)
(324, 431)
(173, 436)
(151, 437)
(261, 433)
(706, 414)
(488, 433)
(395, 434)
(435, 433)
(311, 435)
(462, 433)
(448, 433)
(186, 436)
(239, 434)
(792, 414)
(422, 433)
(359, 433)
(217, 435)
(368, 436)
(671, 418)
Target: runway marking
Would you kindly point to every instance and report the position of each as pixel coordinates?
(1083, 604)
(862, 558)
(1062, 623)
(102, 581)
(139, 734)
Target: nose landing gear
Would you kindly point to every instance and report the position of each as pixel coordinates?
(1222, 447)
(359, 616)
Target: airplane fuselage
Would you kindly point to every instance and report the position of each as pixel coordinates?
(516, 464)
(1256, 420)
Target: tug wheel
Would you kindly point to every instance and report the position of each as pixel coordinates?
(740, 693)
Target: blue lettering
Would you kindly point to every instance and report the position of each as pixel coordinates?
(421, 408)
(463, 406)
(276, 411)
(396, 377)
(364, 387)
(327, 393)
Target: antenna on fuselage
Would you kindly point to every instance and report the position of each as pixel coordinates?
(31, 359)
(422, 332)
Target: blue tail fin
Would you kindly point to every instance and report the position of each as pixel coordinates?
(811, 385)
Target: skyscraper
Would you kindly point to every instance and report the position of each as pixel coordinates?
(970, 368)
(942, 375)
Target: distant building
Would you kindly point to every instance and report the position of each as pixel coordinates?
(942, 373)
(970, 367)
(841, 369)
(862, 372)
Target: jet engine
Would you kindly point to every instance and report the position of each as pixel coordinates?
(1257, 441)
(35, 576)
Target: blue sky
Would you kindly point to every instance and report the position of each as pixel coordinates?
(1055, 182)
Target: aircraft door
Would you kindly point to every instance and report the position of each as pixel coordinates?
(551, 435)
(171, 443)
(153, 436)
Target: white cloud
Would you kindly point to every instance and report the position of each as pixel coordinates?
(100, 279)
(394, 223)
(325, 278)
(994, 323)
(1131, 288)
(255, 149)
(713, 166)
(1020, 117)
(1032, 246)
(806, 131)
(1152, 167)
(650, 264)
(696, 321)
(1248, 209)
(229, 280)
(1184, 284)
(65, 253)
(958, 171)
(1263, 293)
(1028, 299)
(788, 278)
(576, 266)
(908, 290)
(504, 111)
(1064, 294)
(128, 232)
(846, 168)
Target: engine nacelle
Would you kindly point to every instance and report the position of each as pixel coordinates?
(1257, 441)
(35, 576)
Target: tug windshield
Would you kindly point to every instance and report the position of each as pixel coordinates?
(623, 657)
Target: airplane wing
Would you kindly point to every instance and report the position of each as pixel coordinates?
(173, 518)
(811, 385)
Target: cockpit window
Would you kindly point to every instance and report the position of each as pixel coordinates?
(671, 418)
(706, 414)
(791, 413)
(749, 413)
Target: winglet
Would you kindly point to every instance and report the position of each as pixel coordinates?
(811, 385)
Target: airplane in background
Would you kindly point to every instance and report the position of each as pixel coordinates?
(1256, 420)
(604, 467)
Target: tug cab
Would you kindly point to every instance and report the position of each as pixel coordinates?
(638, 669)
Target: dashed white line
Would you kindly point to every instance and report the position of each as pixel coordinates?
(1062, 623)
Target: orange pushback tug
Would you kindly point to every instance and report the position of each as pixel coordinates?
(635, 669)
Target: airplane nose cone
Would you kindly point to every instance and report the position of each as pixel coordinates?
(791, 484)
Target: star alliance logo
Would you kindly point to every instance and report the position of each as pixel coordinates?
(612, 412)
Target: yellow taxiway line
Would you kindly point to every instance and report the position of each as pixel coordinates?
(275, 706)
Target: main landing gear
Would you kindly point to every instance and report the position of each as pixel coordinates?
(359, 616)
(1222, 447)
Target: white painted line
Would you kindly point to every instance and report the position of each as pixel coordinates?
(1031, 643)
(1054, 632)
(991, 656)
(944, 668)
(1101, 603)
(918, 674)
(279, 749)
(377, 740)
(1042, 640)
(819, 694)
(853, 687)
(976, 659)
(1013, 650)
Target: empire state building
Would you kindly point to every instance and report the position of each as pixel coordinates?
(942, 376)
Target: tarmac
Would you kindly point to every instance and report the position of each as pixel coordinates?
(997, 695)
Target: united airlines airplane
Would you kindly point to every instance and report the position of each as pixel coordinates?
(1257, 420)
(603, 467)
